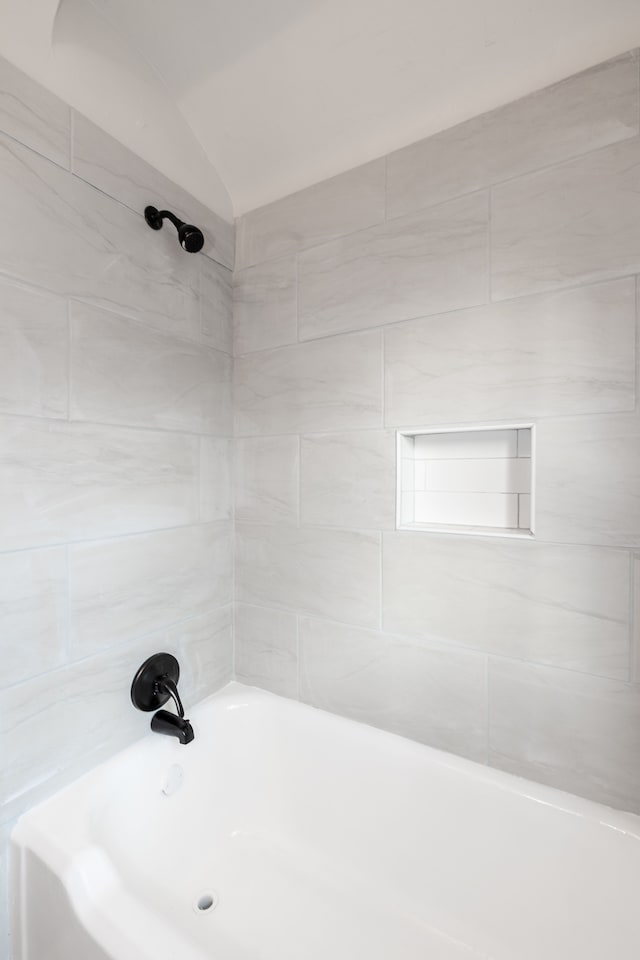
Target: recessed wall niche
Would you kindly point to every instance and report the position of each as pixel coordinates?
(470, 480)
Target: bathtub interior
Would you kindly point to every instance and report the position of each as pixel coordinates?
(315, 836)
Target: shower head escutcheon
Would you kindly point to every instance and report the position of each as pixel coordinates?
(190, 237)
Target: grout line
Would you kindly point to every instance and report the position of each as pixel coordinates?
(634, 665)
(585, 283)
(98, 540)
(637, 342)
(232, 504)
(67, 639)
(69, 359)
(120, 646)
(131, 427)
(381, 576)
(386, 189)
(297, 657)
(297, 266)
(489, 245)
(161, 332)
(299, 483)
(438, 644)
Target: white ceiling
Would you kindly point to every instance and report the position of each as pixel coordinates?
(245, 101)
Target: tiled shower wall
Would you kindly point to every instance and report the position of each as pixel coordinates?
(487, 274)
(115, 419)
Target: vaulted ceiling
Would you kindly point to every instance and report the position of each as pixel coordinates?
(245, 101)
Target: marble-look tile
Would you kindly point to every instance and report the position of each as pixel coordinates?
(588, 480)
(311, 571)
(351, 201)
(32, 115)
(33, 353)
(567, 606)
(424, 263)
(560, 353)
(206, 654)
(267, 649)
(33, 612)
(124, 372)
(348, 479)
(215, 479)
(584, 112)
(425, 691)
(266, 479)
(571, 731)
(55, 727)
(72, 481)
(84, 244)
(325, 385)
(112, 168)
(576, 222)
(125, 588)
(216, 305)
(265, 306)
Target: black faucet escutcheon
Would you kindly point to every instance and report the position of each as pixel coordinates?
(154, 684)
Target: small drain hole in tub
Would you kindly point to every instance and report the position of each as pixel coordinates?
(205, 903)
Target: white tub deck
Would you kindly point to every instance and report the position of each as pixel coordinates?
(318, 839)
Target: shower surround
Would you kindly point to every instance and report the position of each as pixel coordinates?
(484, 275)
(115, 425)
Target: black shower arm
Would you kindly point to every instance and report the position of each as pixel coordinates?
(171, 216)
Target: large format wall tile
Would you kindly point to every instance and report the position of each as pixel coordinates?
(341, 205)
(588, 480)
(33, 352)
(267, 649)
(33, 115)
(216, 305)
(560, 605)
(310, 570)
(571, 731)
(586, 111)
(33, 612)
(348, 479)
(265, 305)
(83, 244)
(566, 352)
(420, 690)
(215, 479)
(124, 588)
(420, 264)
(112, 168)
(61, 481)
(206, 653)
(266, 479)
(123, 372)
(572, 223)
(326, 385)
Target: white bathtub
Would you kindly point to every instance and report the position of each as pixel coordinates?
(316, 837)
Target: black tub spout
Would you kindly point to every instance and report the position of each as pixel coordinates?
(172, 726)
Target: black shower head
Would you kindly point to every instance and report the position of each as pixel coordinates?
(190, 237)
